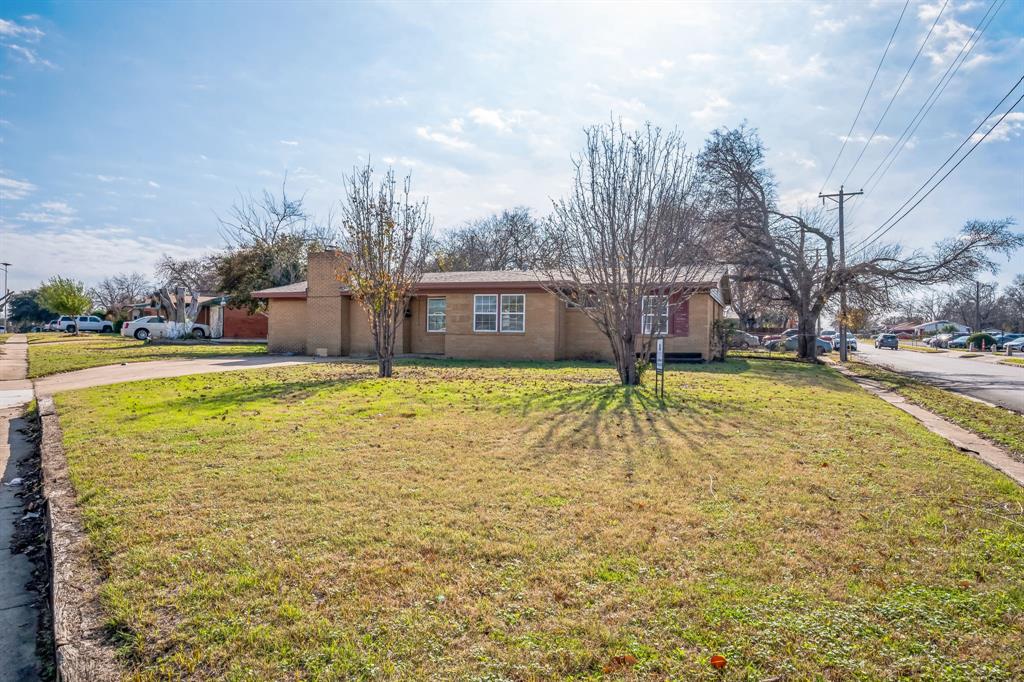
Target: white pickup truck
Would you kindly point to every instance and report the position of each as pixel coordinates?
(83, 323)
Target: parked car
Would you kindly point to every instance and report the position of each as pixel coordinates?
(1004, 339)
(958, 342)
(828, 334)
(851, 342)
(939, 340)
(155, 327)
(84, 323)
(1017, 344)
(741, 339)
(3, 329)
(792, 342)
(887, 341)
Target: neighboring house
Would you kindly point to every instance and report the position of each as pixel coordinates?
(936, 326)
(902, 328)
(493, 315)
(214, 311)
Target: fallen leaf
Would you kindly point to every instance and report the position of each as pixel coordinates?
(718, 662)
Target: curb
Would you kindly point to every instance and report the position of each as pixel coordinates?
(82, 646)
(960, 438)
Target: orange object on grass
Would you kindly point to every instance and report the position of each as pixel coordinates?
(718, 661)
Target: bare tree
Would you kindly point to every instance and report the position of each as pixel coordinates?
(387, 236)
(629, 244)
(117, 294)
(181, 281)
(795, 252)
(269, 239)
(265, 219)
(757, 303)
(1013, 303)
(509, 240)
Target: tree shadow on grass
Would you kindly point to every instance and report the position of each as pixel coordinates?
(238, 397)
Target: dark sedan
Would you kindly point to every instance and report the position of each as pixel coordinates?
(887, 341)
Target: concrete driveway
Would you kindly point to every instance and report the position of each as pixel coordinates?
(158, 369)
(983, 377)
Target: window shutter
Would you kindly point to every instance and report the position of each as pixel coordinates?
(679, 319)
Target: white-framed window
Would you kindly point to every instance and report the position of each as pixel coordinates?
(485, 313)
(513, 312)
(654, 314)
(437, 318)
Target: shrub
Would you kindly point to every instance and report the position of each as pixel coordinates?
(977, 338)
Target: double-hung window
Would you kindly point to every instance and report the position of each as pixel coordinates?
(654, 314)
(437, 315)
(485, 313)
(513, 312)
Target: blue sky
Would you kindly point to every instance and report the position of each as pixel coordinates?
(127, 126)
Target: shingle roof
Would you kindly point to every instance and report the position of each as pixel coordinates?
(430, 280)
(295, 290)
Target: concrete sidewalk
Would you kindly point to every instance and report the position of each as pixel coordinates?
(19, 603)
(159, 369)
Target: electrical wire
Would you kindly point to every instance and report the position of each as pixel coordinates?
(879, 232)
(865, 99)
(936, 93)
(899, 89)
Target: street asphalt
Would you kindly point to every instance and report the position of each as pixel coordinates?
(985, 378)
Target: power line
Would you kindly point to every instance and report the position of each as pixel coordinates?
(936, 93)
(896, 94)
(865, 99)
(878, 232)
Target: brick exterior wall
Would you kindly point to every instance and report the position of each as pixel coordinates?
(286, 332)
(239, 324)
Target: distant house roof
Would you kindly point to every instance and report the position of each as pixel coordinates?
(296, 290)
(939, 323)
(441, 281)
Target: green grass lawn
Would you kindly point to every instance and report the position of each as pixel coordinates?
(464, 521)
(1014, 361)
(93, 350)
(994, 423)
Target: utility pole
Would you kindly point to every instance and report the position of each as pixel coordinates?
(6, 297)
(977, 306)
(840, 199)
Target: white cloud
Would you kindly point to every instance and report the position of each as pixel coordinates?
(1009, 128)
(10, 29)
(655, 72)
(29, 55)
(400, 161)
(861, 139)
(12, 190)
(153, 184)
(443, 139)
(399, 101)
(830, 25)
(50, 213)
(290, 143)
(714, 106)
(784, 68)
(500, 119)
(88, 253)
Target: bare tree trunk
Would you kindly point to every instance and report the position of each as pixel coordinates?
(808, 339)
(624, 354)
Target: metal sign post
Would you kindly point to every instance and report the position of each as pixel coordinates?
(659, 368)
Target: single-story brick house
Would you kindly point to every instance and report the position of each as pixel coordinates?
(493, 315)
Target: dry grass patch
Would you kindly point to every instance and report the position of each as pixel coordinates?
(470, 522)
